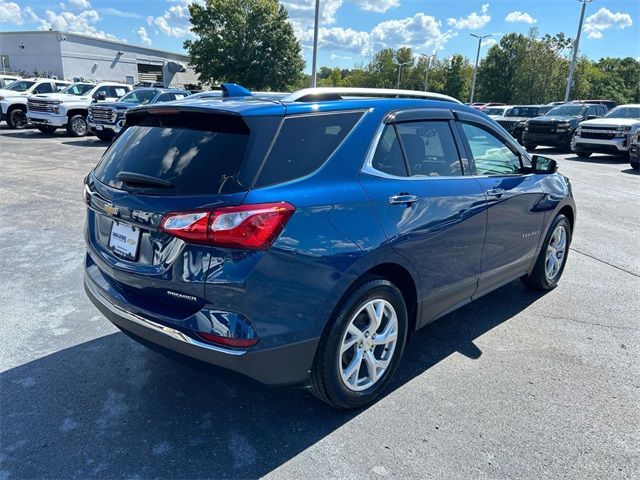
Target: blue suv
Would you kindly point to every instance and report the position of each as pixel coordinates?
(304, 239)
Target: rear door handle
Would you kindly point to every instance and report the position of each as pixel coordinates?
(496, 192)
(403, 199)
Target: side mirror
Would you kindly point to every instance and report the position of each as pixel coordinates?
(101, 96)
(543, 165)
(591, 116)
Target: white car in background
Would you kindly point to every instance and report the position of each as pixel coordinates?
(5, 80)
(609, 134)
(499, 111)
(69, 108)
(13, 98)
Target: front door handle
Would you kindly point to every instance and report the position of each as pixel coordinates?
(403, 199)
(496, 192)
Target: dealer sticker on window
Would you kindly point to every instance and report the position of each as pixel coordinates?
(124, 240)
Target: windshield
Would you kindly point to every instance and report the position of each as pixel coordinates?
(20, 85)
(567, 110)
(78, 88)
(528, 112)
(140, 97)
(624, 112)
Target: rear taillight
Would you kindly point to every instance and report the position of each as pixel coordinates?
(244, 226)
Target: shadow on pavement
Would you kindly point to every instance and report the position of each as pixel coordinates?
(87, 142)
(110, 408)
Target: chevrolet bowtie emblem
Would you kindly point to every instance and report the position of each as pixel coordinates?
(110, 209)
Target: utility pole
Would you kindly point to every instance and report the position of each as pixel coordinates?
(400, 65)
(475, 70)
(314, 62)
(426, 73)
(576, 44)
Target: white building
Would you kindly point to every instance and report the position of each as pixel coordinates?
(72, 56)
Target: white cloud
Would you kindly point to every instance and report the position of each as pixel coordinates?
(10, 13)
(174, 22)
(143, 36)
(302, 12)
(114, 12)
(377, 6)
(473, 21)
(80, 4)
(83, 23)
(340, 57)
(488, 42)
(604, 19)
(420, 32)
(522, 17)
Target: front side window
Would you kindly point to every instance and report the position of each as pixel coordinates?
(60, 86)
(304, 144)
(165, 97)
(43, 88)
(118, 92)
(430, 149)
(492, 156)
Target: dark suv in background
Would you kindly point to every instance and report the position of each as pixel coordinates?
(516, 118)
(557, 127)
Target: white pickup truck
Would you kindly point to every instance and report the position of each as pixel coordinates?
(13, 98)
(69, 108)
(609, 134)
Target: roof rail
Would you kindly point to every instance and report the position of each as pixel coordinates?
(336, 93)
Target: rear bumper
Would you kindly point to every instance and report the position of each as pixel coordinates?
(38, 118)
(283, 365)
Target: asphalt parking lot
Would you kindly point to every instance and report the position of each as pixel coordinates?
(516, 385)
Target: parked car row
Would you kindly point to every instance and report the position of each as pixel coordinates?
(579, 126)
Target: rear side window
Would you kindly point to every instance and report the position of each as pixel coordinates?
(388, 157)
(191, 161)
(304, 143)
(430, 149)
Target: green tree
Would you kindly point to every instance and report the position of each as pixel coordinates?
(246, 41)
(457, 82)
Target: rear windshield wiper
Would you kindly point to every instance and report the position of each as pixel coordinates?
(132, 178)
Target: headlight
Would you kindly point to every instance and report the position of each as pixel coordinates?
(522, 124)
(55, 109)
(624, 129)
(563, 125)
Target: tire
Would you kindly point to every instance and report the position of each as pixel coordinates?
(17, 118)
(105, 136)
(634, 164)
(540, 278)
(583, 154)
(46, 129)
(530, 146)
(77, 126)
(570, 144)
(329, 366)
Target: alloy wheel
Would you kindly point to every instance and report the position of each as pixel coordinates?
(556, 251)
(368, 345)
(79, 126)
(19, 119)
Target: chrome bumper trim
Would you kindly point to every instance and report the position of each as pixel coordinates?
(156, 327)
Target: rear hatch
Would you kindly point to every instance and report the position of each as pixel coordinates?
(168, 159)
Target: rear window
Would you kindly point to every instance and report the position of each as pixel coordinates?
(193, 161)
(304, 143)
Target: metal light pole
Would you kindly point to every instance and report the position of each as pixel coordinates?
(400, 65)
(426, 73)
(576, 44)
(475, 70)
(314, 72)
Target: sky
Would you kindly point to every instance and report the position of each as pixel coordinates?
(352, 30)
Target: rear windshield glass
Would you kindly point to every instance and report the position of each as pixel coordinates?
(304, 143)
(188, 161)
